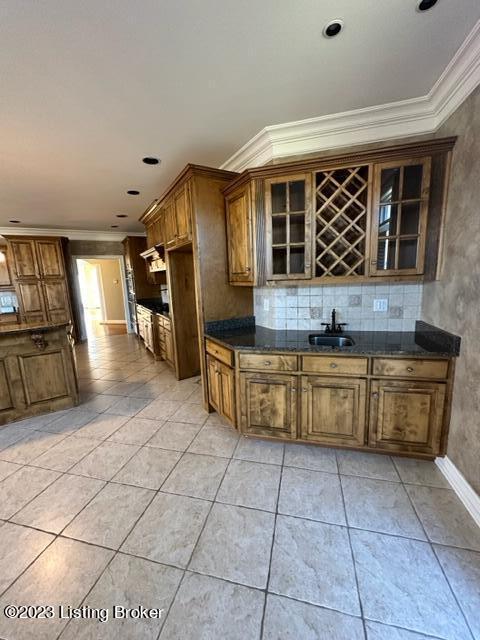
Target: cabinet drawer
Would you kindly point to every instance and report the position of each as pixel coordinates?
(410, 368)
(221, 353)
(267, 362)
(335, 364)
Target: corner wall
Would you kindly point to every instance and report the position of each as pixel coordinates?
(453, 302)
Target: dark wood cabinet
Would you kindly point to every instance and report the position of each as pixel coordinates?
(24, 259)
(181, 200)
(31, 300)
(221, 388)
(50, 259)
(56, 300)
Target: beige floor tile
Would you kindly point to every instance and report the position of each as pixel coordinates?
(101, 427)
(215, 441)
(250, 484)
(65, 454)
(136, 431)
(367, 465)
(174, 435)
(7, 468)
(422, 472)
(159, 410)
(257, 450)
(307, 456)
(21, 487)
(195, 475)
(105, 461)
(193, 413)
(148, 468)
(34, 444)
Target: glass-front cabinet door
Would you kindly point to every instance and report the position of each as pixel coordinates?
(400, 209)
(288, 217)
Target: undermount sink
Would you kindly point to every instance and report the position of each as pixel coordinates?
(321, 340)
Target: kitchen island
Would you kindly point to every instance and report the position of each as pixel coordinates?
(37, 370)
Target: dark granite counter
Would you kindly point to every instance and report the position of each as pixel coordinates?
(425, 340)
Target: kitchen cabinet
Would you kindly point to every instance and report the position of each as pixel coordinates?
(221, 388)
(406, 415)
(240, 237)
(170, 230)
(5, 277)
(354, 217)
(169, 352)
(333, 410)
(288, 218)
(181, 200)
(385, 403)
(268, 404)
(400, 210)
(39, 278)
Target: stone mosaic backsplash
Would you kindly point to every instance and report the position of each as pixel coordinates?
(305, 308)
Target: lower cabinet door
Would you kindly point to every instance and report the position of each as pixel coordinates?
(227, 387)
(214, 394)
(268, 404)
(406, 416)
(169, 347)
(333, 410)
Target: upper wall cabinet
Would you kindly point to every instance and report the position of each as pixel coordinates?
(170, 223)
(240, 236)
(348, 219)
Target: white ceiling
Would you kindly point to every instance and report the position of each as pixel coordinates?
(89, 87)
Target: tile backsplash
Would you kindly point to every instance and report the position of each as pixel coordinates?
(305, 308)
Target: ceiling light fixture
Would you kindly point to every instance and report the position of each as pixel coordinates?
(150, 160)
(333, 28)
(121, 215)
(133, 192)
(15, 221)
(425, 5)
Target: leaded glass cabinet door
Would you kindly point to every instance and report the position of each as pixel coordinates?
(400, 210)
(289, 240)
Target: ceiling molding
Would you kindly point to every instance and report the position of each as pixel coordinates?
(405, 118)
(71, 234)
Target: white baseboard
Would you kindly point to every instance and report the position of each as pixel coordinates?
(464, 491)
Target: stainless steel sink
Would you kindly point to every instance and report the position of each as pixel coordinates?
(321, 340)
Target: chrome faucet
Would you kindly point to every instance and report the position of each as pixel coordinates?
(333, 326)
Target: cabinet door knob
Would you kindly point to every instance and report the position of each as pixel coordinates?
(410, 369)
(375, 394)
(248, 269)
(333, 365)
(267, 363)
(373, 262)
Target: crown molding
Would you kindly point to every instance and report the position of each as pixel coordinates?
(404, 118)
(71, 234)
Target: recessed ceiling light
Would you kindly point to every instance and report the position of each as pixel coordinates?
(15, 221)
(133, 192)
(114, 226)
(150, 160)
(333, 28)
(425, 5)
(121, 215)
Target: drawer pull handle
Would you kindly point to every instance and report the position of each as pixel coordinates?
(375, 395)
(267, 363)
(410, 369)
(333, 365)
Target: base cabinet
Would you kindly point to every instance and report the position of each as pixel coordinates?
(221, 388)
(333, 410)
(406, 416)
(268, 404)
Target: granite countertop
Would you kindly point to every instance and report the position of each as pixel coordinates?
(30, 326)
(155, 306)
(425, 340)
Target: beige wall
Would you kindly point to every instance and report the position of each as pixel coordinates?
(453, 302)
(112, 285)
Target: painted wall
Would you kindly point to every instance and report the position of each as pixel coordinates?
(453, 302)
(112, 286)
(306, 308)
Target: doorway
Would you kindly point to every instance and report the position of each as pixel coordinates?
(102, 300)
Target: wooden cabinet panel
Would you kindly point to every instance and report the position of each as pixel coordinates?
(30, 297)
(56, 300)
(6, 399)
(5, 278)
(399, 222)
(169, 357)
(50, 260)
(182, 213)
(227, 386)
(268, 362)
(406, 416)
(335, 365)
(220, 353)
(24, 259)
(44, 376)
(214, 392)
(410, 368)
(289, 227)
(170, 224)
(240, 237)
(268, 404)
(333, 410)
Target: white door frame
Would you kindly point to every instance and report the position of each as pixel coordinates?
(121, 262)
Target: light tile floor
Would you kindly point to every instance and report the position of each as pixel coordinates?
(138, 497)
